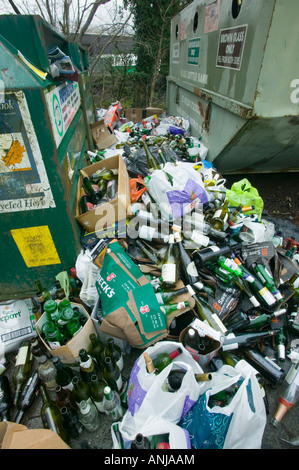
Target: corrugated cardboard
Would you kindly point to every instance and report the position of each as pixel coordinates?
(69, 353)
(137, 114)
(102, 135)
(110, 212)
(17, 436)
(153, 111)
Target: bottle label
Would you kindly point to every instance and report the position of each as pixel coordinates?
(191, 269)
(254, 301)
(214, 248)
(147, 233)
(200, 239)
(21, 357)
(99, 406)
(191, 291)
(119, 383)
(120, 363)
(169, 272)
(248, 278)
(217, 214)
(219, 323)
(267, 296)
(54, 344)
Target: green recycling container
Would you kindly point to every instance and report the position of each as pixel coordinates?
(44, 134)
(234, 74)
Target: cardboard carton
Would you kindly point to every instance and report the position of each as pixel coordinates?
(69, 353)
(111, 212)
(103, 135)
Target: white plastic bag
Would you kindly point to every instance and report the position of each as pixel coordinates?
(239, 425)
(178, 189)
(150, 426)
(87, 272)
(146, 395)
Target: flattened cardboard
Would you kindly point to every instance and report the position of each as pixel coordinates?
(110, 212)
(102, 135)
(18, 436)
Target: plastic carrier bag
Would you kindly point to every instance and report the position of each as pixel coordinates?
(239, 425)
(161, 433)
(178, 189)
(146, 394)
(242, 192)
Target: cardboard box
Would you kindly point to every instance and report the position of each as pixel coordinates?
(17, 323)
(113, 211)
(69, 353)
(153, 111)
(102, 135)
(137, 114)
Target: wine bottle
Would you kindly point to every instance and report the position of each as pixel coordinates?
(114, 352)
(89, 416)
(163, 359)
(210, 255)
(235, 268)
(96, 349)
(169, 265)
(239, 321)
(258, 321)
(28, 395)
(220, 217)
(51, 309)
(88, 365)
(166, 297)
(233, 341)
(152, 162)
(47, 373)
(187, 266)
(140, 442)
(151, 233)
(64, 374)
(264, 365)
(280, 341)
(112, 405)
(206, 314)
(5, 399)
(92, 190)
(50, 415)
(168, 309)
(233, 215)
(193, 342)
(262, 293)
(112, 374)
(267, 279)
(60, 293)
(175, 377)
(289, 395)
(64, 398)
(38, 349)
(97, 386)
(22, 369)
(71, 422)
(81, 391)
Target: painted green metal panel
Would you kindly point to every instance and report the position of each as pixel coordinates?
(41, 153)
(243, 68)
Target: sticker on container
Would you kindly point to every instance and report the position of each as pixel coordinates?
(212, 17)
(36, 246)
(231, 47)
(193, 51)
(24, 183)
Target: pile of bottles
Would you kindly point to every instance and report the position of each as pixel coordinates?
(98, 188)
(73, 398)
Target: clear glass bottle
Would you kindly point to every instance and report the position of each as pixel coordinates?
(112, 405)
(89, 416)
(47, 373)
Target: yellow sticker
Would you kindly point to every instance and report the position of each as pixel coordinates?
(36, 246)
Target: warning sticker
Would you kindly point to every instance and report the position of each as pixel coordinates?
(36, 246)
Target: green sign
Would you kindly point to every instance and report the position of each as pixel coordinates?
(193, 51)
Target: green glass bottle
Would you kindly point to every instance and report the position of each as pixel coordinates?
(92, 190)
(163, 359)
(22, 369)
(267, 279)
(66, 315)
(244, 340)
(259, 321)
(169, 265)
(114, 352)
(280, 341)
(64, 374)
(97, 387)
(50, 415)
(59, 294)
(235, 268)
(112, 374)
(53, 336)
(51, 309)
(88, 365)
(187, 268)
(168, 309)
(81, 390)
(206, 314)
(65, 303)
(96, 349)
(166, 297)
(74, 326)
(152, 162)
